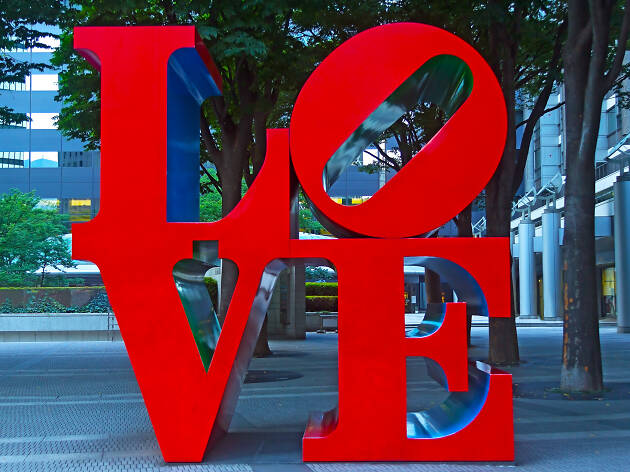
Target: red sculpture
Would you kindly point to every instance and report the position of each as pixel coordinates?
(153, 80)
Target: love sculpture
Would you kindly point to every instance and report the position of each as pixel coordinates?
(189, 369)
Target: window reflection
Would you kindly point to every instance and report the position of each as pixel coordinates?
(13, 160)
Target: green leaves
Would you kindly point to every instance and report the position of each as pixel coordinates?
(31, 238)
(208, 32)
(307, 221)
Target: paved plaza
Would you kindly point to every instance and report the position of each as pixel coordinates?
(76, 406)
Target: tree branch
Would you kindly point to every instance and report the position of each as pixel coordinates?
(615, 69)
(213, 181)
(527, 77)
(387, 159)
(584, 36)
(209, 141)
(548, 110)
(539, 109)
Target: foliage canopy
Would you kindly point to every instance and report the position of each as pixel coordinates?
(31, 238)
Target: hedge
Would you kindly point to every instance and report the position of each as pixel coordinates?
(34, 289)
(321, 303)
(98, 304)
(321, 289)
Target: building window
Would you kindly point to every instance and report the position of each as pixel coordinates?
(48, 204)
(13, 160)
(13, 86)
(48, 43)
(44, 159)
(611, 121)
(43, 120)
(80, 210)
(42, 83)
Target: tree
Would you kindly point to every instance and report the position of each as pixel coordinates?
(52, 252)
(593, 58)
(264, 51)
(307, 221)
(210, 200)
(20, 28)
(522, 41)
(31, 238)
(320, 274)
(523, 47)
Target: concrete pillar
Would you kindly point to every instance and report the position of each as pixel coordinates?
(513, 275)
(622, 252)
(551, 262)
(297, 299)
(526, 269)
(296, 309)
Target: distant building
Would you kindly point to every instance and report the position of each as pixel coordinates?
(34, 155)
(538, 216)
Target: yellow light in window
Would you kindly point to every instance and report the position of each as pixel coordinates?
(75, 203)
(357, 201)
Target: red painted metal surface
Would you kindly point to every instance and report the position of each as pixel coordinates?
(136, 249)
(445, 176)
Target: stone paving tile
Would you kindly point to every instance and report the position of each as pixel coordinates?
(76, 406)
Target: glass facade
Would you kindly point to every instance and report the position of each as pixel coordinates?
(34, 156)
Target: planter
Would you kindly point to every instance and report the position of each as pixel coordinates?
(58, 327)
(318, 321)
(67, 296)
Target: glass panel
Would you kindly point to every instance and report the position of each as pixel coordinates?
(44, 159)
(48, 43)
(48, 204)
(13, 160)
(43, 120)
(15, 86)
(80, 210)
(43, 82)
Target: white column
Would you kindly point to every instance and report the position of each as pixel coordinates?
(552, 288)
(526, 269)
(622, 252)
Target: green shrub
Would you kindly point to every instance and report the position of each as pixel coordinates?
(17, 279)
(317, 274)
(321, 289)
(7, 307)
(213, 291)
(34, 289)
(321, 303)
(98, 304)
(43, 305)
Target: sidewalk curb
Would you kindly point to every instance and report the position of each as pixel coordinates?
(531, 324)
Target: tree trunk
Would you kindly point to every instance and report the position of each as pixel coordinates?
(503, 343)
(432, 286)
(584, 65)
(235, 165)
(464, 230)
(581, 354)
(231, 195)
